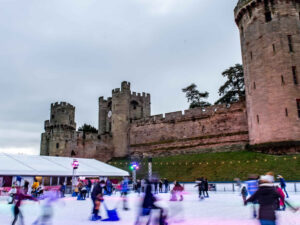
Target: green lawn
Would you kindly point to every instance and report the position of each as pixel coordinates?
(217, 166)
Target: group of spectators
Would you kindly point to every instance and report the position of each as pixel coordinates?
(159, 185)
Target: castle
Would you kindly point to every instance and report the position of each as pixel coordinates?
(270, 42)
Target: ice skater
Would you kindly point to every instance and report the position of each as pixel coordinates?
(177, 192)
(252, 187)
(97, 197)
(19, 197)
(45, 218)
(280, 201)
(205, 185)
(266, 196)
(200, 185)
(12, 192)
(244, 193)
(148, 205)
(166, 183)
(124, 192)
(283, 185)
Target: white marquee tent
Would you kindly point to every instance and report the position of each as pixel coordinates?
(35, 165)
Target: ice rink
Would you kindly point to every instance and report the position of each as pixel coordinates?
(221, 208)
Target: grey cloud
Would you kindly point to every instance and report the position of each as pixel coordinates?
(76, 51)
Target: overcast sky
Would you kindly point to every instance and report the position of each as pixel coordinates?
(78, 50)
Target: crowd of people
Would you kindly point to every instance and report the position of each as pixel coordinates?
(257, 190)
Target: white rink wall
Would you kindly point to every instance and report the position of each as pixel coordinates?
(231, 187)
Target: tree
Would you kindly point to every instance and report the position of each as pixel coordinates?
(195, 97)
(88, 129)
(234, 88)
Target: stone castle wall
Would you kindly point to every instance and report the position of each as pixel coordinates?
(216, 128)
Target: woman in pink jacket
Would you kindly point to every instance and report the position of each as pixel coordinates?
(281, 200)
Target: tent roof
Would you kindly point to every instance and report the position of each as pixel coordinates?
(36, 165)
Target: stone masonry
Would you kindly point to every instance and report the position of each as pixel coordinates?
(270, 43)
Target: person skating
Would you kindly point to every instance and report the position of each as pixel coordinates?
(148, 205)
(205, 184)
(177, 190)
(283, 185)
(88, 187)
(252, 187)
(166, 183)
(62, 190)
(280, 201)
(266, 196)
(12, 192)
(160, 184)
(26, 187)
(96, 197)
(244, 193)
(19, 198)
(124, 193)
(138, 186)
(200, 185)
(49, 197)
(155, 186)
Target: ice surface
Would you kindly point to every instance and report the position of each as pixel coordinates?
(221, 208)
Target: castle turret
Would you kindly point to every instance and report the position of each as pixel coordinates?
(62, 115)
(270, 42)
(59, 129)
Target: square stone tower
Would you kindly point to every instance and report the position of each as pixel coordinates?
(117, 112)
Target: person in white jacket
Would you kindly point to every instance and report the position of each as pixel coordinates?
(11, 194)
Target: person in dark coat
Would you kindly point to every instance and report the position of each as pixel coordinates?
(205, 184)
(156, 186)
(26, 187)
(148, 205)
(200, 185)
(96, 197)
(88, 187)
(266, 196)
(166, 183)
(160, 184)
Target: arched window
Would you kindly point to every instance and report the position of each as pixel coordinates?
(134, 104)
(73, 153)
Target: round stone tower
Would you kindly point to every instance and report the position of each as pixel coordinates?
(270, 42)
(62, 116)
(59, 130)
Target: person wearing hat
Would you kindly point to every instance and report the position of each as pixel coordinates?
(266, 196)
(282, 184)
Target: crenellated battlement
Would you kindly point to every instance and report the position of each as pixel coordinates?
(142, 96)
(190, 114)
(62, 104)
(246, 8)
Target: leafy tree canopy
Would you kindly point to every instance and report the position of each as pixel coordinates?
(88, 129)
(196, 97)
(234, 88)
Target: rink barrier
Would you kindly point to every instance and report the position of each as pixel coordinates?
(291, 186)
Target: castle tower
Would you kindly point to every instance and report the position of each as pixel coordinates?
(270, 42)
(59, 129)
(116, 114)
(120, 119)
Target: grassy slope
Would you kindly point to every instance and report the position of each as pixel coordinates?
(218, 166)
